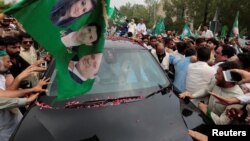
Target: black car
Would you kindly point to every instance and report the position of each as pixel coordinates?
(132, 100)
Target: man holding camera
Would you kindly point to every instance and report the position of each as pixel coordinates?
(10, 95)
(28, 53)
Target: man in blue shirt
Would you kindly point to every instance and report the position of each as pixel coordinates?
(181, 66)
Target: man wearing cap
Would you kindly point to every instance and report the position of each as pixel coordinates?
(9, 94)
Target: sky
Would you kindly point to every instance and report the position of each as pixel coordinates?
(118, 3)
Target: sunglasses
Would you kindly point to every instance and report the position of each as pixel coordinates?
(26, 42)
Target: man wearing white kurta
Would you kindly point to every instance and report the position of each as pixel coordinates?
(141, 28)
(215, 110)
(207, 33)
(199, 74)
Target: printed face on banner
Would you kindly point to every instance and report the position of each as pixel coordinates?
(65, 12)
(80, 7)
(85, 68)
(88, 35)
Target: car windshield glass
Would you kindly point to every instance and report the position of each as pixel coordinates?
(124, 70)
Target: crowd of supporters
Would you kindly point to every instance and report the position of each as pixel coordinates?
(20, 73)
(196, 64)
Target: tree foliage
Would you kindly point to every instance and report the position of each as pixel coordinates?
(136, 12)
(202, 11)
(3, 6)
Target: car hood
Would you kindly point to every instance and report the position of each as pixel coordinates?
(156, 118)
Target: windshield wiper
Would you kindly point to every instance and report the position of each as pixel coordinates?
(162, 90)
(102, 102)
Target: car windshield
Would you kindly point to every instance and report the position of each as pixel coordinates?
(124, 70)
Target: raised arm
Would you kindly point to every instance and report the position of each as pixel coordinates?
(9, 103)
(22, 92)
(225, 101)
(27, 72)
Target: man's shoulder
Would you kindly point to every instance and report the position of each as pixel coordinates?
(21, 60)
(185, 60)
(76, 77)
(233, 91)
(201, 65)
(2, 82)
(198, 63)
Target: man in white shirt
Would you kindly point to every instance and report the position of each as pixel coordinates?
(199, 74)
(207, 33)
(9, 117)
(214, 110)
(132, 27)
(141, 28)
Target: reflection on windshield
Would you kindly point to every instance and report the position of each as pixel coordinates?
(125, 70)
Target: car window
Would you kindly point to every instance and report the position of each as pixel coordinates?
(124, 70)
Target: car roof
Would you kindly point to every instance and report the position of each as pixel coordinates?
(122, 43)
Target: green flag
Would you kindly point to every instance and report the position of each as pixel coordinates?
(224, 32)
(160, 26)
(235, 29)
(73, 32)
(110, 11)
(117, 18)
(186, 32)
(115, 13)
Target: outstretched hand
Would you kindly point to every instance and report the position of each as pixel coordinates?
(202, 107)
(29, 70)
(185, 94)
(38, 62)
(220, 99)
(39, 87)
(32, 97)
(234, 113)
(225, 101)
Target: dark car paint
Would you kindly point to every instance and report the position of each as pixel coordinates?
(155, 118)
(159, 117)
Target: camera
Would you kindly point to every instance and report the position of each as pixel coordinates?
(44, 64)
